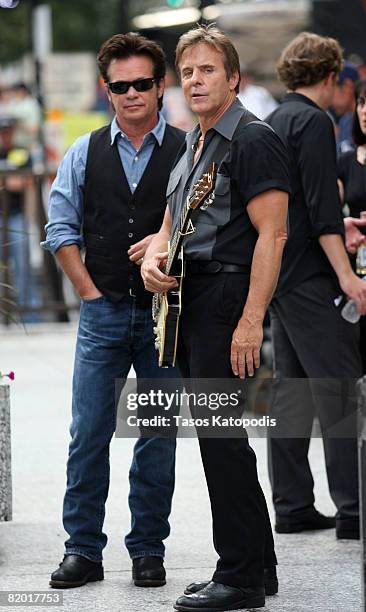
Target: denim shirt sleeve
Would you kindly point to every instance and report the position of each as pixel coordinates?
(65, 213)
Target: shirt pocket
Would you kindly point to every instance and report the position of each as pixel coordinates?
(174, 179)
(98, 247)
(218, 213)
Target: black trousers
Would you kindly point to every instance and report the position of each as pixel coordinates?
(212, 305)
(312, 341)
(363, 343)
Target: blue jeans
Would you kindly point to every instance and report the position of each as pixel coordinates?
(111, 338)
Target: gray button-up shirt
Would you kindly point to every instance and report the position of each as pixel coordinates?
(251, 159)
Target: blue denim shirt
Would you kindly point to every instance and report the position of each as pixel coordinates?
(67, 193)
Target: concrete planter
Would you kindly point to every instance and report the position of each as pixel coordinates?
(5, 455)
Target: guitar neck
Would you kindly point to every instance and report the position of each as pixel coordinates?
(202, 191)
(177, 238)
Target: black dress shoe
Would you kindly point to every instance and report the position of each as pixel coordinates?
(348, 529)
(148, 572)
(307, 522)
(75, 571)
(270, 583)
(217, 597)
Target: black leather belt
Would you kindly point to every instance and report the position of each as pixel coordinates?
(213, 267)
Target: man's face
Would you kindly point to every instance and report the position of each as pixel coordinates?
(204, 81)
(7, 138)
(134, 107)
(361, 111)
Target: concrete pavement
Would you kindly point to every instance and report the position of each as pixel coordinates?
(317, 573)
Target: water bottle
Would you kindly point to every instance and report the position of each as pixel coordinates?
(349, 311)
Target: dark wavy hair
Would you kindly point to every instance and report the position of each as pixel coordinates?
(308, 59)
(359, 138)
(122, 46)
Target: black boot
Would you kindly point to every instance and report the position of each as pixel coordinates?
(75, 571)
(148, 572)
(310, 521)
(217, 597)
(270, 583)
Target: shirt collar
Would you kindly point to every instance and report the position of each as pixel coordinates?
(225, 126)
(293, 96)
(158, 131)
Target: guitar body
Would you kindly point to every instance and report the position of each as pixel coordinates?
(166, 312)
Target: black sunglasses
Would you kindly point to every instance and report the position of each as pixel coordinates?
(122, 87)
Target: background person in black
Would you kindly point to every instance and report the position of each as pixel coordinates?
(241, 236)
(352, 180)
(311, 339)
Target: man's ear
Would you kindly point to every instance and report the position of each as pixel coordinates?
(234, 80)
(161, 87)
(331, 77)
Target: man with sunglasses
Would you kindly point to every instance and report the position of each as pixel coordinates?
(109, 197)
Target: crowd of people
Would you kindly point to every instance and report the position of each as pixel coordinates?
(273, 239)
(20, 120)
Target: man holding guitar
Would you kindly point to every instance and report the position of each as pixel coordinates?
(233, 250)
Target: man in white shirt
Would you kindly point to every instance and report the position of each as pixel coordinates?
(256, 99)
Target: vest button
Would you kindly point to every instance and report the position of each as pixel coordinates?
(132, 207)
(130, 234)
(130, 220)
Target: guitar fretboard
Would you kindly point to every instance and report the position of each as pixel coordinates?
(201, 190)
(177, 237)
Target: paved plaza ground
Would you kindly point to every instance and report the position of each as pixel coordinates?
(317, 573)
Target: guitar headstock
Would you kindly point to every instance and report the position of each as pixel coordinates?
(203, 189)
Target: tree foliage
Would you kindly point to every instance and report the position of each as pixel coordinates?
(79, 25)
(14, 33)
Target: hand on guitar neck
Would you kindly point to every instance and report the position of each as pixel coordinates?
(154, 279)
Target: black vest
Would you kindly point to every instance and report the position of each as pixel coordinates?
(114, 218)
